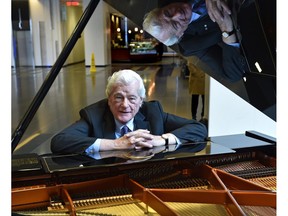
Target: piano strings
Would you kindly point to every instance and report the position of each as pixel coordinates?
(172, 177)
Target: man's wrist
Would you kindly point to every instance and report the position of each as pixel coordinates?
(230, 40)
(166, 139)
(170, 138)
(226, 34)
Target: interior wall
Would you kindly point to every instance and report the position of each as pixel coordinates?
(97, 35)
(73, 15)
(41, 31)
(21, 46)
(229, 114)
(52, 24)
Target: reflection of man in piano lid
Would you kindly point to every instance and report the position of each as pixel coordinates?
(169, 23)
(157, 152)
(206, 29)
(146, 125)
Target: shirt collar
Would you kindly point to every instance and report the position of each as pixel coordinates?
(194, 16)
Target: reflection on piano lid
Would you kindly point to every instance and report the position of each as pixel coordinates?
(55, 163)
(217, 146)
(257, 24)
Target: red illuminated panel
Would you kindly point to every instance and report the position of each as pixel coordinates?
(72, 3)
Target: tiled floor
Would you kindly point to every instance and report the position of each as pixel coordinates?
(76, 87)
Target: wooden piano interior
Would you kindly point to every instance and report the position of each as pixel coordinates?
(229, 184)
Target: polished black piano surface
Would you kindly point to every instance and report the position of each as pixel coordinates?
(257, 24)
(215, 146)
(226, 175)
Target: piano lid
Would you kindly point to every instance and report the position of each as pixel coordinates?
(256, 22)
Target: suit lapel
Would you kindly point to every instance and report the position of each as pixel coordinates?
(109, 126)
(140, 122)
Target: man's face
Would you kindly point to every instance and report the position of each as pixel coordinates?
(124, 102)
(175, 19)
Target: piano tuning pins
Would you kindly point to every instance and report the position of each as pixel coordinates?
(55, 203)
(56, 206)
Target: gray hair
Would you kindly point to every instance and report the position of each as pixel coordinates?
(125, 77)
(154, 27)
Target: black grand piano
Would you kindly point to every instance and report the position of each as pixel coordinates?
(226, 175)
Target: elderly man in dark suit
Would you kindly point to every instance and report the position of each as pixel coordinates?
(202, 28)
(101, 126)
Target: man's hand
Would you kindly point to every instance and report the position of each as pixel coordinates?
(216, 9)
(143, 139)
(137, 139)
(220, 13)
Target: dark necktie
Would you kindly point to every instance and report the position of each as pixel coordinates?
(124, 130)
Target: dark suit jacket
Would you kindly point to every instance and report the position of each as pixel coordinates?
(97, 121)
(203, 38)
